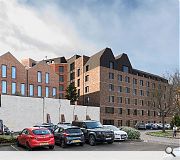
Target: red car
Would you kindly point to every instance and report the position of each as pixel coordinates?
(36, 137)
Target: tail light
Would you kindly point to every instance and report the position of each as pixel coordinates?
(51, 136)
(65, 134)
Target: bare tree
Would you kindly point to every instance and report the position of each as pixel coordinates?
(164, 98)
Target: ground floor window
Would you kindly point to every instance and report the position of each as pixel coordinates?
(108, 121)
(120, 123)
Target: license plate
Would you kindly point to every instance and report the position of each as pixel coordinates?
(108, 138)
(76, 141)
(42, 144)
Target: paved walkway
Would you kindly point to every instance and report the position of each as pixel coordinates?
(160, 140)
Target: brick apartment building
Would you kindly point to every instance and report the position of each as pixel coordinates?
(102, 80)
(28, 78)
(59, 66)
(112, 84)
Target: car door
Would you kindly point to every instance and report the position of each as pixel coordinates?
(56, 135)
(22, 137)
(61, 130)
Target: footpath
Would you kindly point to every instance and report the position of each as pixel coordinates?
(160, 140)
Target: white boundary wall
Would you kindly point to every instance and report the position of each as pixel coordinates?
(20, 112)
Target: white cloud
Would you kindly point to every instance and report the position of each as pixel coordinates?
(28, 33)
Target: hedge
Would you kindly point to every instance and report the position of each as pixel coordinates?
(7, 139)
(132, 133)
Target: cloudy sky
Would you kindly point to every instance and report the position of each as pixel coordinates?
(147, 30)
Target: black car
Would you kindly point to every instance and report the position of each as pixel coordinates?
(94, 132)
(6, 130)
(66, 135)
(49, 126)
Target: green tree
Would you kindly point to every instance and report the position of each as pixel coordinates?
(175, 120)
(71, 93)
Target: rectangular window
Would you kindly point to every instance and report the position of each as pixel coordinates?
(86, 78)
(127, 79)
(111, 99)
(127, 100)
(149, 113)
(87, 68)
(125, 69)
(13, 88)
(39, 91)
(111, 65)
(87, 89)
(47, 78)
(72, 66)
(141, 82)
(61, 78)
(109, 110)
(135, 112)
(119, 110)
(4, 71)
(4, 87)
(47, 91)
(120, 100)
(78, 72)
(141, 102)
(128, 111)
(31, 90)
(39, 74)
(119, 88)
(61, 87)
(61, 69)
(141, 93)
(135, 102)
(72, 76)
(54, 92)
(111, 87)
(108, 122)
(142, 112)
(147, 83)
(120, 123)
(134, 91)
(78, 82)
(78, 92)
(127, 90)
(134, 81)
(111, 75)
(147, 93)
(22, 89)
(120, 78)
(153, 85)
(13, 72)
(154, 113)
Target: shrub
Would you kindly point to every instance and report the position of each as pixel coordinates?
(132, 133)
(7, 139)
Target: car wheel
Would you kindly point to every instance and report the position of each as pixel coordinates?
(63, 144)
(92, 140)
(81, 144)
(18, 144)
(28, 147)
(51, 147)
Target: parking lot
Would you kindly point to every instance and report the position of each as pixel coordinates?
(116, 146)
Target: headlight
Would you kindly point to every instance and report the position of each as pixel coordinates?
(99, 133)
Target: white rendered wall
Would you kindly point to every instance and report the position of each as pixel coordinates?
(20, 112)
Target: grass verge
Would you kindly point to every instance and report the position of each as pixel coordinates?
(167, 134)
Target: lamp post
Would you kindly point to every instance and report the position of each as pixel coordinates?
(87, 106)
(59, 110)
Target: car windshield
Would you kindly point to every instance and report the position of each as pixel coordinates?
(41, 132)
(73, 130)
(114, 128)
(92, 125)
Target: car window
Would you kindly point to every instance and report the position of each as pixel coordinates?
(56, 130)
(24, 131)
(61, 129)
(41, 132)
(73, 130)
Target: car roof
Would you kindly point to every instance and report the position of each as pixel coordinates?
(87, 121)
(34, 128)
(67, 127)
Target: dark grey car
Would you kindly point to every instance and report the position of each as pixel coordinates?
(66, 135)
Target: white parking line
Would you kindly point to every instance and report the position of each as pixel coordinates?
(14, 148)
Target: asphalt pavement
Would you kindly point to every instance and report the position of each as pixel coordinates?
(116, 146)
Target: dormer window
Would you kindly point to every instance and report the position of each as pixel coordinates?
(111, 65)
(125, 69)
